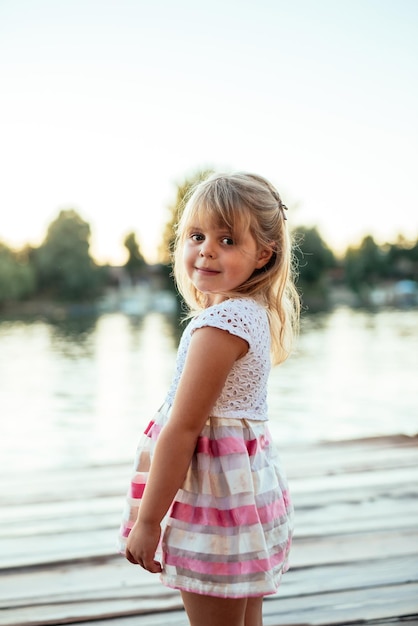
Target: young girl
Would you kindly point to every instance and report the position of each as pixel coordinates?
(207, 476)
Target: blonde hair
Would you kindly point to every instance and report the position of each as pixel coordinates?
(243, 201)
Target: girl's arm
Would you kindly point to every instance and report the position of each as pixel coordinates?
(211, 355)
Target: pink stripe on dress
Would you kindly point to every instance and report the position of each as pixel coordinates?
(148, 428)
(239, 516)
(137, 489)
(272, 511)
(232, 568)
(206, 516)
(225, 446)
(125, 529)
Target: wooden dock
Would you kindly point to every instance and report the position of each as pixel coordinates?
(354, 560)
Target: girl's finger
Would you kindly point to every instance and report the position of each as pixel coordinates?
(153, 566)
(130, 557)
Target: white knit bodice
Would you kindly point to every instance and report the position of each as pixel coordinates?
(245, 392)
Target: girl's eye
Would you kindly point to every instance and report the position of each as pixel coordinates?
(228, 241)
(197, 237)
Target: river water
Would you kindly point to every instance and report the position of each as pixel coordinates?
(78, 392)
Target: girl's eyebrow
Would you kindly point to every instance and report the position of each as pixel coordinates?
(192, 229)
(220, 228)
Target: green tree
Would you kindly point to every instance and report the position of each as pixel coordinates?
(63, 263)
(17, 277)
(402, 259)
(314, 261)
(364, 265)
(136, 264)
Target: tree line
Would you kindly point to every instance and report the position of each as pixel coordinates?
(62, 268)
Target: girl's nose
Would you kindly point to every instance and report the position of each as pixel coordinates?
(206, 250)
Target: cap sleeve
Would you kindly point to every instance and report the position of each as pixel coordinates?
(233, 316)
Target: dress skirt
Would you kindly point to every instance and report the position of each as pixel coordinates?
(229, 529)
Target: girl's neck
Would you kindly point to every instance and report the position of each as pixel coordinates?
(219, 299)
(215, 299)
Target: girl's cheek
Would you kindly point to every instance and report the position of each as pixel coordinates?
(188, 256)
(186, 252)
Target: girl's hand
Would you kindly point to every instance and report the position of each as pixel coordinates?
(142, 544)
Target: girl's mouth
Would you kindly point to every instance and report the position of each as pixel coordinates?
(206, 270)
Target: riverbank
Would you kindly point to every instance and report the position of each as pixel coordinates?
(138, 300)
(134, 301)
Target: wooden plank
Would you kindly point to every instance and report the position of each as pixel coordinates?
(360, 605)
(119, 579)
(397, 481)
(87, 611)
(307, 491)
(301, 462)
(307, 550)
(350, 457)
(343, 483)
(169, 618)
(357, 548)
(340, 457)
(398, 621)
(177, 618)
(79, 537)
(330, 609)
(328, 514)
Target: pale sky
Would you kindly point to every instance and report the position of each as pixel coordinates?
(106, 105)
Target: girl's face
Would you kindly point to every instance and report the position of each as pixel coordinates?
(216, 263)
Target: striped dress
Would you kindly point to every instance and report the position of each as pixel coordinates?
(229, 529)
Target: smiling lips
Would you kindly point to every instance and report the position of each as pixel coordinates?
(206, 270)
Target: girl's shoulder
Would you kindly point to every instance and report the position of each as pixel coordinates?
(240, 316)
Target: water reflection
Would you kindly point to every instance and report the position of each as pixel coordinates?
(76, 392)
(71, 336)
(353, 374)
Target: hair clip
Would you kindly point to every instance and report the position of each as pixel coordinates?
(283, 208)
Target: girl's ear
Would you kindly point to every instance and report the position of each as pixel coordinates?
(264, 257)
